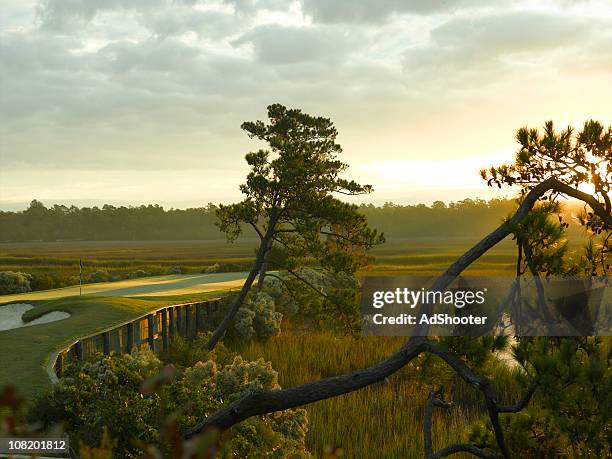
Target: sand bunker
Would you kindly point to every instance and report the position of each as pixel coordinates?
(11, 316)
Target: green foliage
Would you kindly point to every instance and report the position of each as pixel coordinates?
(14, 282)
(476, 351)
(214, 268)
(98, 276)
(577, 159)
(257, 319)
(572, 410)
(326, 297)
(137, 400)
(543, 231)
(137, 274)
(145, 222)
(153, 223)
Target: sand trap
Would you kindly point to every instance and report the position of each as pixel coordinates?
(10, 316)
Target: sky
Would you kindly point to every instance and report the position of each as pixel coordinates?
(141, 101)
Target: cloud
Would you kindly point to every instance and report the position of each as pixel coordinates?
(71, 14)
(493, 46)
(275, 44)
(375, 11)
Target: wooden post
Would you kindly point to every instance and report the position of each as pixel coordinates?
(78, 348)
(188, 321)
(172, 325)
(179, 320)
(164, 330)
(151, 337)
(207, 308)
(199, 324)
(130, 337)
(106, 343)
(59, 369)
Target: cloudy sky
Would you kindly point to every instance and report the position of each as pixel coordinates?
(138, 101)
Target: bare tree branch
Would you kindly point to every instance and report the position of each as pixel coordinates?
(435, 399)
(484, 385)
(267, 401)
(539, 287)
(463, 448)
(261, 236)
(300, 278)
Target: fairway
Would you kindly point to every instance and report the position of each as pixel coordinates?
(176, 284)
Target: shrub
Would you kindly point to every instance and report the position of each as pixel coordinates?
(233, 267)
(211, 269)
(336, 303)
(15, 282)
(242, 325)
(256, 319)
(128, 395)
(46, 281)
(138, 273)
(99, 276)
(267, 322)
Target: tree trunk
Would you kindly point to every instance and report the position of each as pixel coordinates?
(239, 300)
(264, 266)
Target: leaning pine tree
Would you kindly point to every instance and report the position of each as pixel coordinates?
(290, 203)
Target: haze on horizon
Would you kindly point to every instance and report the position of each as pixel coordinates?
(141, 101)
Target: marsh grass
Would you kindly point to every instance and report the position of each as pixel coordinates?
(384, 420)
(56, 264)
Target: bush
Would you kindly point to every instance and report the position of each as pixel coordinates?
(99, 276)
(242, 328)
(127, 396)
(211, 269)
(267, 322)
(46, 281)
(138, 273)
(337, 304)
(233, 267)
(256, 319)
(14, 282)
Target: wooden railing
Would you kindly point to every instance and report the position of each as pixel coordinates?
(155, 329)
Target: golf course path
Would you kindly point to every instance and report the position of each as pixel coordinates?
(175, 284)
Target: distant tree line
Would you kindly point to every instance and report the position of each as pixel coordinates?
(469, 217)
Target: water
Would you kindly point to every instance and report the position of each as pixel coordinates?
(10, 316)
